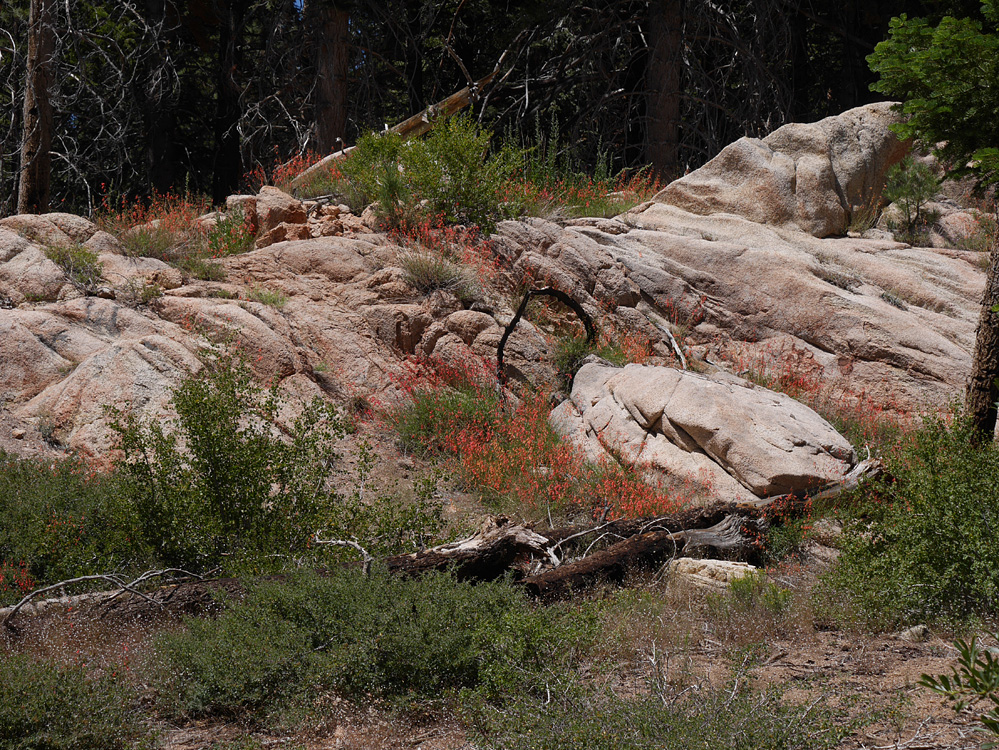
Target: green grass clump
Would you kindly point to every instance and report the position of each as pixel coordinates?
(44, 706)
(429, 271)
(392, 638)
(732, 716)
(923, 546)
(270, 297)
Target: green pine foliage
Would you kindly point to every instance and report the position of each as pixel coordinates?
(947, 77)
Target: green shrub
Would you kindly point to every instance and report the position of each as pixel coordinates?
(732, 716)
(229, 236)
(60, 520)
(924, 547)
(81, 265)
(452, 169)
(49, 707)
(449, 173)
(219, 482)
(381, 636)
(977, 680)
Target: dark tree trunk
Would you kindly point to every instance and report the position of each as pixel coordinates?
(982, 391)
(414, 55)
(663, 78)
(156, 101)
(228, 164)
(332, 57)
(36, 163)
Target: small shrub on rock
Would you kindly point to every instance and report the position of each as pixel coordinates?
(81, 265)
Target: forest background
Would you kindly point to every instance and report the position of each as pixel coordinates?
(208, 96)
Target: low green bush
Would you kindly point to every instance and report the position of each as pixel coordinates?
(449, 173)
(923, 547)
(379, 636)
(44, 706)
(219, 482)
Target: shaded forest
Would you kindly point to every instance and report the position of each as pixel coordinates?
(147, 96)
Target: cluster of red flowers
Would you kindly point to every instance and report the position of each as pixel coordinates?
(510, 451)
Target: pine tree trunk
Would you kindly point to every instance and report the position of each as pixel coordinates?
(663, 77)
(982, 391)
(228, 167)
(331, 60)
(36, 163)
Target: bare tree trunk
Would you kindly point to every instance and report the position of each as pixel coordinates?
(662, 82)
(36, 164)
(332, 59)
(983, 392)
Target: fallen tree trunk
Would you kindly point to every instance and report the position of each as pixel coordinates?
(734, 537)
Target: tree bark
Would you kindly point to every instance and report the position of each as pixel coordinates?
(228, 166)
(663, 78)
(36, 163)
(331, 51)
(983, 392)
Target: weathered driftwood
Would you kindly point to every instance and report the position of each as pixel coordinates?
(735, 536)
(411, 127)
(481, 557)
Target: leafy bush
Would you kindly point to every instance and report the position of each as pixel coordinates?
(452, 169)
(219, 482)
(924, 545)
(449, 172)
(229, 236)
(48, 707)
(60, 520)
(976, 680)
(379, 636)
(80, 264)
(732, 716)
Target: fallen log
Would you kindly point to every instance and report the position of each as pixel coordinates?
(482, 557)
(734, 537)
